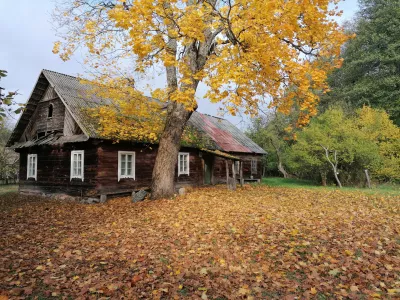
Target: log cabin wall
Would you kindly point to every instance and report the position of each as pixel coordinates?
(54, 167)
(196, 170)
(70, 126)
(107, 176)
(220, 167)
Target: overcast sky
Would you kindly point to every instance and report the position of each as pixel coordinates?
(26, 43)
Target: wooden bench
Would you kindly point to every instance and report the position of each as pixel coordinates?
(251, 180)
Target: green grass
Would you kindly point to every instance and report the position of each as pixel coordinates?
(9, 188)
(384, 189)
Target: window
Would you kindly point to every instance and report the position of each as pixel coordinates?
(126, 165)
(77, 163)
(50, 111)
(41, 134)
(183, 163)
(253, 166)
(32, 166)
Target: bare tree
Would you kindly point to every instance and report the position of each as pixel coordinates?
(333, 162)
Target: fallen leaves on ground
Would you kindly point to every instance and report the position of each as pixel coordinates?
(257, 242)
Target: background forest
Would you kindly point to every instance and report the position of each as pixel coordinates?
(357, 125)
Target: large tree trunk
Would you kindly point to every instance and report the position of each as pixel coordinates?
(163, 185)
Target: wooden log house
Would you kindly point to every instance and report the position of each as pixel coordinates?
(61, 151)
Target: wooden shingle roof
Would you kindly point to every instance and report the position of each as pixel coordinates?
(222, 134)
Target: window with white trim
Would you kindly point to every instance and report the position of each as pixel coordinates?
(253, 166)
(126, 164)
(32, 166)
(77, 164)
(183, 163)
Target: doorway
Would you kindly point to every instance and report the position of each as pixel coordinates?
(208, 162)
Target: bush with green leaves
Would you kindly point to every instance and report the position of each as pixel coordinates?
(335, 142)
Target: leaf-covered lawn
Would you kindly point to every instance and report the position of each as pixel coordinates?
(258, 242)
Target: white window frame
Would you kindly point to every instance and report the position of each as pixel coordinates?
(133, 166)
(82, 152)
(184, 172)
(253, 166)
(28, 169)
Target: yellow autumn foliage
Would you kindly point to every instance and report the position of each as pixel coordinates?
(259, 53)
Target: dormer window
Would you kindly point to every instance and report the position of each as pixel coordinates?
(50, 111)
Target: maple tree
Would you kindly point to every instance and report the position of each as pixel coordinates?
(248, 53)
(255, 243)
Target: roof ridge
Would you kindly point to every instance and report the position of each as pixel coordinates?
(75, 77)
(214, 116)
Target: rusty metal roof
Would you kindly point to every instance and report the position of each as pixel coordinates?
(222, 134)
(225, 136)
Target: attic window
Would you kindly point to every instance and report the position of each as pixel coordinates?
(41, 134)
(50, 112)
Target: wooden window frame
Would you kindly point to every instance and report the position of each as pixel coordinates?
(254, 166)
(28, 169)
(133, 165)
(72, 176)
(184, 172)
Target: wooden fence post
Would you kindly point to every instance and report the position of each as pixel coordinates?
(368, 179)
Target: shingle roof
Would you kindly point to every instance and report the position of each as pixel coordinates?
(76, 99)
(222, 134)
(52, 139)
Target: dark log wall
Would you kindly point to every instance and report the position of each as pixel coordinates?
(220, 167)
(107, 178)
(101, 169)
(53, 170)
(41, 123)
(196, 171)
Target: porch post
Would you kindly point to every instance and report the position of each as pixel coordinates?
(233, 175)
(241, 173)
(227, 173)
(212, 171)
